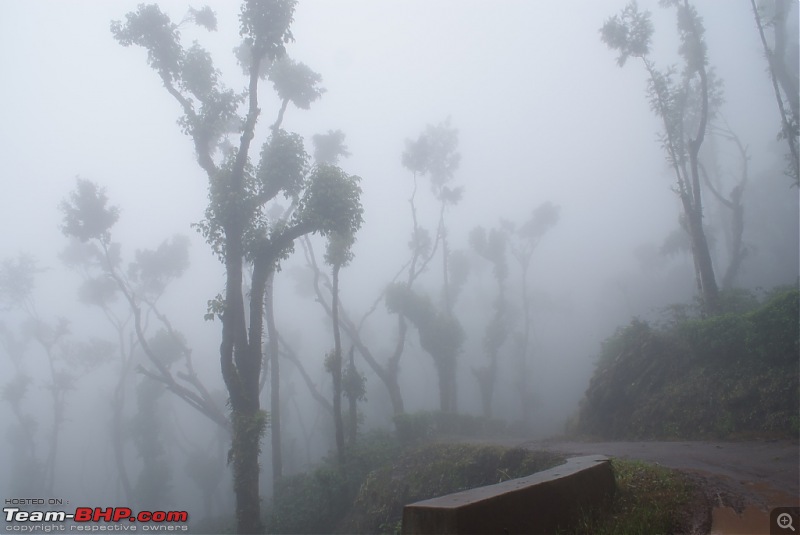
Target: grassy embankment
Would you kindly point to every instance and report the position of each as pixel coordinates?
(649, 499)
(735, 375)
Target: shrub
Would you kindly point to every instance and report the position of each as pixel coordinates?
(728, 375)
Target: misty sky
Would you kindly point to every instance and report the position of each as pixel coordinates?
(543, 113)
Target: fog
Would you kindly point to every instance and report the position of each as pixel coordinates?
(543, 114)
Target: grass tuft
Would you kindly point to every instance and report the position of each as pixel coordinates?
(649, 499)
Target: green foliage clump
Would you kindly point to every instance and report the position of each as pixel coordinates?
(265, 26)
(283, 165)
(331, 201)
(295, 81)
(734, 374)
(86, 215)
(771, 336)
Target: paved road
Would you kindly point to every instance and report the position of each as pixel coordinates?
(768, 471)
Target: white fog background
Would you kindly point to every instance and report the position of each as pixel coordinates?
(543, 114)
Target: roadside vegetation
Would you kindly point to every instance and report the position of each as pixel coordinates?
(389, 470)
(733, 375)
(383, 474)
(649, 499)
(386, 471)
(432, 470)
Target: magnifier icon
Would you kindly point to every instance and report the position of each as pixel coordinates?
(785, 521)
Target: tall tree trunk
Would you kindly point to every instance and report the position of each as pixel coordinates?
(352, 402)
(275, 385)
(788, 80)
(702, 256)
(781, 78)
(737, 247)
(336, 369)
(248, 427)
(240, 357)
(700, 250)
(389, 373)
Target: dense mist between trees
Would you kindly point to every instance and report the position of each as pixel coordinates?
(487, 191)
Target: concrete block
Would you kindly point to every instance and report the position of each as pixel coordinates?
(545, 502)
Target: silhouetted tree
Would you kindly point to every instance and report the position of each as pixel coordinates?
(17, 282)
(388, 373)
(492, 247)
(733, 203)
(65, 362)
(783, 70)
(88, 220)
(337, 255)
(26, 472)
(329, 148)
(440, 335)
(355, 389)
(237, 224)
(434, 151)
(434, 154)
(523, 242)
(685, 108)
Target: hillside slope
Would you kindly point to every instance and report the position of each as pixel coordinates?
(730, 376)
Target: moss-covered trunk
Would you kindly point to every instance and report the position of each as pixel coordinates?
(248, 427)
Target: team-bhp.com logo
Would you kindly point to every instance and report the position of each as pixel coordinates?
(88, 518)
